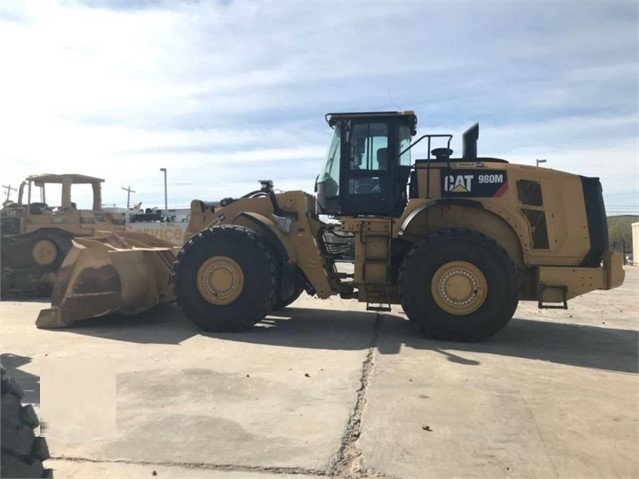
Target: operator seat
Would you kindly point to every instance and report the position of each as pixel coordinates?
(379, 184)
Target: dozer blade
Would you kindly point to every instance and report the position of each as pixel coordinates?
(124, 273)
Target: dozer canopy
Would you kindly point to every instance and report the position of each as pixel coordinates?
(66, 180)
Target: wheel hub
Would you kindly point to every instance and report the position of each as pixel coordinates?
(220, 280)
(44, 252)
(459, 287)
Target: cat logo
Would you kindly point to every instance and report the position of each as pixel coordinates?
(475, 183)
(458, 184)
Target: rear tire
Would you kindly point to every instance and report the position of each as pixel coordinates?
(226, 278)
(22, 452)
(459, 285)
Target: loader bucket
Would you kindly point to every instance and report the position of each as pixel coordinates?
(119, 273)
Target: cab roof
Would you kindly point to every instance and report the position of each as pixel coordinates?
(75, 178)
(332, 118)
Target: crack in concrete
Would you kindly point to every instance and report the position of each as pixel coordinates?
(347, 463)
(200, 465)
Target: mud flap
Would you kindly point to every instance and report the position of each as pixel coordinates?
(124, 273)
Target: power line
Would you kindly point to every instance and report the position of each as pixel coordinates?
(9, 189)
(128, 195)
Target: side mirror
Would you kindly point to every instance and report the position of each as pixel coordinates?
(266, 186)
(315, 187)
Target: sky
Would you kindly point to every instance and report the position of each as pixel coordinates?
(225, 93)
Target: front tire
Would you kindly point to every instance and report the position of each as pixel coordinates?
(226, 278)
(459, 285)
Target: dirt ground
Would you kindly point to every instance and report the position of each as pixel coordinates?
(325, 388)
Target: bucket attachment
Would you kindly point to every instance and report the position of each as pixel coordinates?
(124, 273)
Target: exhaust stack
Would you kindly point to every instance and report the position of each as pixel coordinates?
(469, 152)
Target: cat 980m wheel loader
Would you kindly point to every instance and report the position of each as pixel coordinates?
(457, 241)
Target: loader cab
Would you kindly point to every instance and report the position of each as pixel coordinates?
(364, 173)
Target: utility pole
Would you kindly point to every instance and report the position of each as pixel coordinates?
(541, 161)
(9, 189)
(128, 195)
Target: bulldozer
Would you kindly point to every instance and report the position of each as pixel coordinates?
(36, 236)
(456, 241)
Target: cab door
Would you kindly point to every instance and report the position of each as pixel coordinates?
(365, 167)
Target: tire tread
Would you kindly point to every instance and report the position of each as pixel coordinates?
(410, 302)
(229, 233)
(22, 451)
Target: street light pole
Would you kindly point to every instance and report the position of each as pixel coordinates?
(540, 161)
(166, 207)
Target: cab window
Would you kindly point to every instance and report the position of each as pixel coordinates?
(404, 142)
(330, 175)
(369, 146)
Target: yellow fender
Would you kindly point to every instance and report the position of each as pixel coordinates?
(273, 233)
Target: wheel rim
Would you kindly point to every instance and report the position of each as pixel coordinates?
(459, 287)
(220, 280)
(44, 252)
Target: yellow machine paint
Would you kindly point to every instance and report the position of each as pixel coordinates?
(123, 273)
(456, 241)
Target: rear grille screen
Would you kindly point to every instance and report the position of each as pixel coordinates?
(529, 193)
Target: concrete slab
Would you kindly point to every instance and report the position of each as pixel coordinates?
(278, 396)
(553, 395)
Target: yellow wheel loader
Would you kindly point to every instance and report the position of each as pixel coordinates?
(457, 241)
